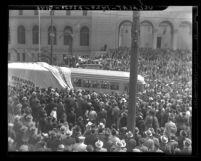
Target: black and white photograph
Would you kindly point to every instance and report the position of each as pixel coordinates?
(100, 80)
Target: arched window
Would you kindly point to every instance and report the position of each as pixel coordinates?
(84, 36)
(53, 35)
(67, 35)
(125, 33)
(21, 35)
(146, 34)
(35, 34)
(166, 33)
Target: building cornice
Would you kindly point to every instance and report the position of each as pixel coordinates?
(45, 17)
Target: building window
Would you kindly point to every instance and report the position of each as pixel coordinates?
(67, 35)
(18, 56)
(52, 34)
(35, 34)
(20, 12)
(84, 36)
(84, 13)
(68, 12)
(35, 12)
(21, 35)
(23, 57)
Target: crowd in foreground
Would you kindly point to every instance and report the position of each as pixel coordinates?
(80, 120)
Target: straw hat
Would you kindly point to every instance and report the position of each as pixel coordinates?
(61, 147)
(187, 142)
(99, 144)
(24, 148)
(24, 99)
(10, 140)
(89, 123)
(152, 130)
(101, 125)
(148, 132)
(137, 130)
(164, 139)
(136, 150)
(81, 138)
(123, 143)
(69, 133)
(129, 134)
(10, 124)
(119, 144)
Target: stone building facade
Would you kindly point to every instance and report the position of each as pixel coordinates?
(87, 32)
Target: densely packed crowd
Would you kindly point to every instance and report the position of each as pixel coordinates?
(79, 120)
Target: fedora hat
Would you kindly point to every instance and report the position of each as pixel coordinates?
(136, 150)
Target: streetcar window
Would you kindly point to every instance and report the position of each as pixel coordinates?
(77, 82)
(126, 88)
(114, 86)
(86, 83)
(104, 85)
(95, 84)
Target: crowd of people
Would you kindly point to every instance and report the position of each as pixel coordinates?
(81, 120)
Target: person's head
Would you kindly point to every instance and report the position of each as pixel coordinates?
(24, 148)
(164, 139)
(60, 147)
(131, 144)
(156, 143)
(149, 144)
(90, 148)
(99, 144)
(81, 139)
(10, 141)
(187, 143)
(114, 132)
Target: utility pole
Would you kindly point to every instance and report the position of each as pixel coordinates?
(135, 30)
(39, 35)
(51, 36)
